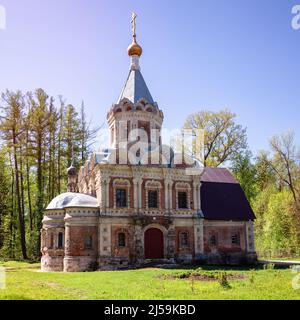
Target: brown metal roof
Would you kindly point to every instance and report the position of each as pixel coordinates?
(222, 175)
(222, 197)
(225, 201)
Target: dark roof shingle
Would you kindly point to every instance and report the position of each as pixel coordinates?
(222, 197)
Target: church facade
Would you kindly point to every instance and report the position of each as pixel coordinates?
(138, 202)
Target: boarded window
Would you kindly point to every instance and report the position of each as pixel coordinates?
(60, 240)
(182, 200)
(88, 242)
(121, 240)
(235, 239)
(184, 239)
(152, 199)
(51, 240)
(213, 240)
(121, 200)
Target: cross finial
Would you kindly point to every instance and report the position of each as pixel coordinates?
(133, 21)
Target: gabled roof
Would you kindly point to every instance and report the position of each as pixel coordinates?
(222, 197)
(217, 175)
(135, 88)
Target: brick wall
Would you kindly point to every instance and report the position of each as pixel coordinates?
(191, 244)
(224, 234)
(74, 240)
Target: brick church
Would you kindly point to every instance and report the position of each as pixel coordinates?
(134, 203)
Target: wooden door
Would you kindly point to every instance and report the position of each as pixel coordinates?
(154, 244)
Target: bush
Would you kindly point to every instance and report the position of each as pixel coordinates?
(223, 281)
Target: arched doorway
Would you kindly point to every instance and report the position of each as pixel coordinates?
(154, 244)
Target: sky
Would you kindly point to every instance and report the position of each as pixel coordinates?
(198, 55)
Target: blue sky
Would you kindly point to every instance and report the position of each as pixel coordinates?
(198, 55)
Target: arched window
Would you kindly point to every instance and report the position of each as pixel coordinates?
(153, 194)
(213, 240)
(235, 239)
(121, 193)
(183, 195)
(121, 198)
(121, 239)
(153, 199)
(60, 240)
(88, 242)
(182, 200)
(51, 240)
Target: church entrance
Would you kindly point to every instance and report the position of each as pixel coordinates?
(154, 244)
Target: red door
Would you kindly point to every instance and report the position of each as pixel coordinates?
(154, 244)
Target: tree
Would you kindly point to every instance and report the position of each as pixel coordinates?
(12, 128)
(265, 175)
(71, 135)
(279, 229)
(87, 136)
(285, 162)
(39, 117)
(4, 197)
(223, 138)
(245, 172)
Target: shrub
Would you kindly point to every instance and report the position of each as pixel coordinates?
(223, 281)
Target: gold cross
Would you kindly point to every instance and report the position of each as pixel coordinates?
(133, 21)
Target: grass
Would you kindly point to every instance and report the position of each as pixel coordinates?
(150, 283)
(19, 264)
(282, 259)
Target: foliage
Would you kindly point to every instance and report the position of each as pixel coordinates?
(40, 138)
(223, 138)
(223, 281)
(246, 173)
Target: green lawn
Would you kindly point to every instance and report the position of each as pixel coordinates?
(150, 283)
(282, 259)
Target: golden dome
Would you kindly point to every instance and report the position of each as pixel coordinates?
(134, 49)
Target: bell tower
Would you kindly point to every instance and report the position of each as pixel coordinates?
(136, 115)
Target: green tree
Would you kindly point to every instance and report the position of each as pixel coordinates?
(12, 129)
(245, 172)
(223, 138)
(279, 228)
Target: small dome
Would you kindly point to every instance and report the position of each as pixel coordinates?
(71, 199)
(134, 49)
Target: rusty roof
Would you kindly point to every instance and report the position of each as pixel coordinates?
(221, 175)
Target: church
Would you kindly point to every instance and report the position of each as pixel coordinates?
(139, 203)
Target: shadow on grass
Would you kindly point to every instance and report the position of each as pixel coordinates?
(219, 267)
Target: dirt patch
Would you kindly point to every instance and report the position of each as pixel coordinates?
(202, 277)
